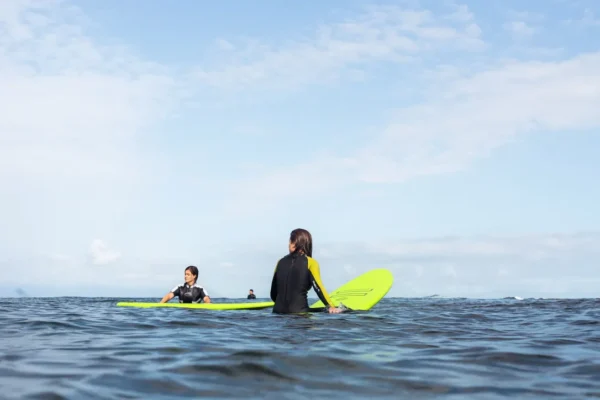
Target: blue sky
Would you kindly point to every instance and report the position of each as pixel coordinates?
(453, 143)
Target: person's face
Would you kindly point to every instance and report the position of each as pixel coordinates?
(189, 278)
(291, 247)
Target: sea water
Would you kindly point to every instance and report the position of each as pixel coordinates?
(87, 348)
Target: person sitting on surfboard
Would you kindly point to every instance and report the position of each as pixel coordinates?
(251, 295)
(189, 292)
(294, 275)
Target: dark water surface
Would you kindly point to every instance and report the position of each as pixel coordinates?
(87, 348)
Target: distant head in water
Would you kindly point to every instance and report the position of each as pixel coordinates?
(191, 275)
(301, 242)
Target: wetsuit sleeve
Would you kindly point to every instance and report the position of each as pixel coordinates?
(274, 284)
(315, 275)
(176, 292)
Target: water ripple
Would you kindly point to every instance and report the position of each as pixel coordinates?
(71, 348)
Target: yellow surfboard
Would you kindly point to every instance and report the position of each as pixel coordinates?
(362, 292)
(205, 306)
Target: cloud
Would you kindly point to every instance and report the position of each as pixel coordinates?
(380, 34)
(533, 265)
(464, 119)
(471, 116)
(466, 110)
(101, 254)
(527, 248)
(520, 28)
(71, 106)
(75, 109)
(224, 45)
(542, 265)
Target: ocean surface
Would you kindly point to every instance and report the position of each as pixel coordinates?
(87, 348)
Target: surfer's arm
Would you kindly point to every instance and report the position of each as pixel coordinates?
(274, 285)
(174, 292)
(205, 296)
(315, 274)
(167, 297)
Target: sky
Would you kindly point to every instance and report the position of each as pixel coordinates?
(454, 143)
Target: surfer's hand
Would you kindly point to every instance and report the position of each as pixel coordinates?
(334, 310)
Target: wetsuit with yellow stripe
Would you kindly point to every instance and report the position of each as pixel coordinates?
(294, 275)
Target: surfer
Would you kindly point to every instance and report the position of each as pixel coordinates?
(251, 295)
(294, 275)
(190, 291)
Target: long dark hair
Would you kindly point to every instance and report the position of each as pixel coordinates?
(194, 272)
(302, 240)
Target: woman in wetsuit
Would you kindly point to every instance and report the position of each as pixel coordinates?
(295, 274)
(190, 291)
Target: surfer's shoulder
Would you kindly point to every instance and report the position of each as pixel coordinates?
(176, 288)
(282, 259)
(311, 262)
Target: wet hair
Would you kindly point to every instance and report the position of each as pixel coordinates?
(194, 272)
(302, 240)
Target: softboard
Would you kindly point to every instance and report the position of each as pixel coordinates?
(362, 292)
(205, 306)
(359, 294)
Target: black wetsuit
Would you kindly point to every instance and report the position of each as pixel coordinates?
(294, 275)
(189, 294)
(252, 296)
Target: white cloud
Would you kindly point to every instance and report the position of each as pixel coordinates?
(543, 265)
(520, 28)
(224, 45)
(471, 116)
(465, 119)
(526, 248)
(71, 107)
(468, 111)
(563, 265)
(73, 111)
(382, 33)
(101, 254)
(528, 16)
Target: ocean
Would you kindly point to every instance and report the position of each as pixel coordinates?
(87, 348)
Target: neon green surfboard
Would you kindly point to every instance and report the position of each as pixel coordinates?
(362, 292)
(205, 306)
